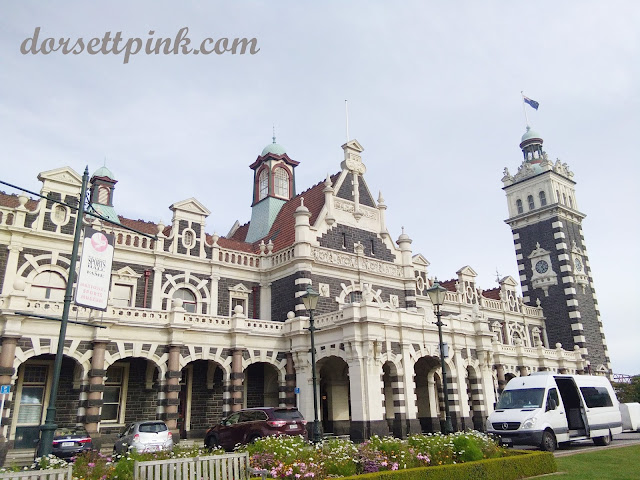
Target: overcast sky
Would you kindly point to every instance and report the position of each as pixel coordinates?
(434, 98)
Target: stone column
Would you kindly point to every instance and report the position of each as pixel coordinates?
(290, 382)
(7, 356)
(237, 381)
(410, 397)
(501, 380)
(156, 295)
(434, 403)
(173, 389)
(95, 388)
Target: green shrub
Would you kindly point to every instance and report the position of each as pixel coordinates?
(512, 467)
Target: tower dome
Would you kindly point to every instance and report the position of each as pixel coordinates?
(274, 148)
(531, 145)
(103, 172)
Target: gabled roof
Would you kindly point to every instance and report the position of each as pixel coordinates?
(282, 232)
(493, 294)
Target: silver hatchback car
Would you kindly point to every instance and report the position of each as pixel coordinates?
(149, 436)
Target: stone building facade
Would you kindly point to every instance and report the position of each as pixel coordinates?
(199, 325)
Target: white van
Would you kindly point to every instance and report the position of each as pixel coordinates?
(545, 409)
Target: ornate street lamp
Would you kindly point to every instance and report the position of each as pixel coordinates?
(310, 300)
(437, 295)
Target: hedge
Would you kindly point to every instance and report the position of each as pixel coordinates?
(519, 464)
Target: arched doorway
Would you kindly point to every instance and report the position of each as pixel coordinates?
(335, 397)
(261, 383)
(31, 399)
(427, 393)
(201, 399)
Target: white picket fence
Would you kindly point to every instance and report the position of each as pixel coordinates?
(65, 473)
(230, 466)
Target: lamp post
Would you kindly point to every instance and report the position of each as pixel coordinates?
(437, 296)
(310, 300)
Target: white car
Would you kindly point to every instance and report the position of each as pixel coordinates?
(149, 436)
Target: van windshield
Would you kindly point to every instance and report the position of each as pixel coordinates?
(521, 398)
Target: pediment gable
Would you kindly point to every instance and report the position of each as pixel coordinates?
(467, 270)
(191, 205)
(420, 260)
(509, 281)
(65, 177)
(127, 271)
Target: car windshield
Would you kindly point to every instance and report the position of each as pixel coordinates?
(287, 414)
(521, 398)
(152, 427)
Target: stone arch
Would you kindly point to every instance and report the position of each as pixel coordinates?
(82, 359)
(262, 382)
(34, 265)
(199, 287)
(368, 294)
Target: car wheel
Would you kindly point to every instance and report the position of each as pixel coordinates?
(212, 442)
(253, 438)
(603, 441)
(548, 443)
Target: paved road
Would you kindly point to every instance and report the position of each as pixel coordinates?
(622, 440)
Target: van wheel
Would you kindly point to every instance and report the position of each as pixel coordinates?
(548, 443)
(603, 441)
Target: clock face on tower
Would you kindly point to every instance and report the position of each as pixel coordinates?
(542, 266)
(578, 264)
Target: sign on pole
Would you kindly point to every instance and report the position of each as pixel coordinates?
(5, 389)
(94, 278)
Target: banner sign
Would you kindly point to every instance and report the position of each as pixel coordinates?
(94, 279)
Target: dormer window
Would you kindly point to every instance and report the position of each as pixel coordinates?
(281, 183)
(519, 206)
(263, 184)
(531, 204)
(543, 198)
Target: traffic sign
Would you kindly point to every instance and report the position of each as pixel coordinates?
(5, 389)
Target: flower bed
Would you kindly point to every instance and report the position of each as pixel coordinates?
(293, 458)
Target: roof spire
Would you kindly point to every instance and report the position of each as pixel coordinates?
(274, 133)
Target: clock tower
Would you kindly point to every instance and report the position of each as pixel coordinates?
(551, 252)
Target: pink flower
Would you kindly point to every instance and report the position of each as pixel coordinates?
(91, 464)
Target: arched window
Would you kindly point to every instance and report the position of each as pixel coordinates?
(263, 184)
(48, 286)
(519, 206)
(543, 198)
(531, 204)
(188, 299)
(281, 183)
(355, 297)
(103, 195)
(188, 239)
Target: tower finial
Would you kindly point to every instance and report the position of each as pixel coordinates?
(274, 133)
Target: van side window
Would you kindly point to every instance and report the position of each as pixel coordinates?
(553, 395)
(596, 397)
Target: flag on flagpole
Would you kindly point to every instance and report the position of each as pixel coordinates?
(531, 102)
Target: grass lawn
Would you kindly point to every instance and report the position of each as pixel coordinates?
(609, 464)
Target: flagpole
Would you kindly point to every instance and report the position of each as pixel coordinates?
(524, 110)
(346, 111)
